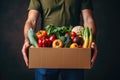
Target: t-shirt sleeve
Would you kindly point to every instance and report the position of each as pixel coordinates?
(34, 4)
(86, 4)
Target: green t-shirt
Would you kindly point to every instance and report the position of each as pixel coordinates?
(60, 12)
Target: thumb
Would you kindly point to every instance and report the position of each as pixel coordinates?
(27, 44)
(93, 45)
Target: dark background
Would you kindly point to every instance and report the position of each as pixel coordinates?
(13, 14)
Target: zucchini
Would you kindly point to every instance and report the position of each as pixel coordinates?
(32, 37)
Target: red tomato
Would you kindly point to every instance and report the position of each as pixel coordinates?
(52, 38)
(72, 37)
(73, 34)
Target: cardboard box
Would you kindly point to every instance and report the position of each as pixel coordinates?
(75, 58)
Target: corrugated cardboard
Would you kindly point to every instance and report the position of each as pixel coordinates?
(78, 58)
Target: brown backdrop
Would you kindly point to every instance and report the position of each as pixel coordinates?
(13, 14)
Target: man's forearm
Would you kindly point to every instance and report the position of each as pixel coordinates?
(28, 25)
(89, 21)
(31, 22)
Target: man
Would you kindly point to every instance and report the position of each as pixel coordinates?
(59, 12)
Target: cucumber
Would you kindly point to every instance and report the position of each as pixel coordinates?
(32, 38)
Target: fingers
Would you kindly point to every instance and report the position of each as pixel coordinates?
(93, 45)
(25, 59)
(24, 52)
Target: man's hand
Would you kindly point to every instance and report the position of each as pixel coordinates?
(94, 47)
(25, 48)
(31, 22)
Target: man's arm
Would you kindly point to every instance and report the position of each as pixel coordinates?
(89, 21)
(31, 22)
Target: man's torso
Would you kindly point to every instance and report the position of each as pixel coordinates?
(60, 12)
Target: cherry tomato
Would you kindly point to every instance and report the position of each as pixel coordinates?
(52, 38)
(73, 34)
(72, 37)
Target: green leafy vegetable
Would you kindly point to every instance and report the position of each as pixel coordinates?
(58, 31)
